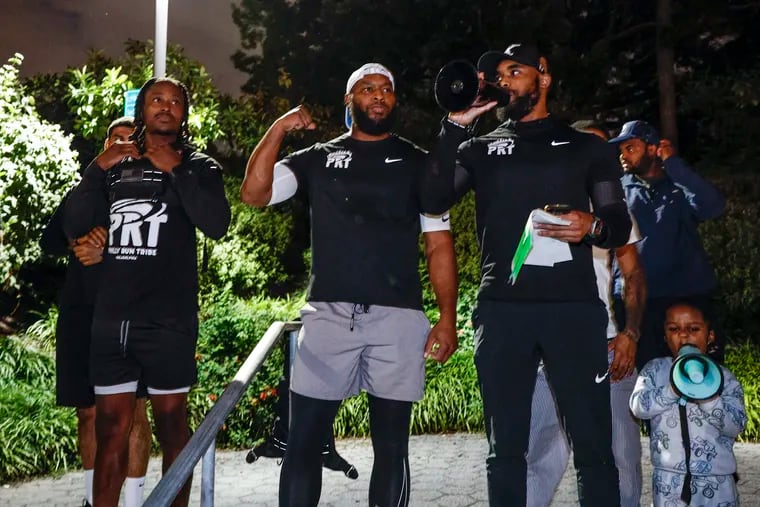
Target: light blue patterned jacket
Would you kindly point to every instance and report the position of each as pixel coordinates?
(713, 424)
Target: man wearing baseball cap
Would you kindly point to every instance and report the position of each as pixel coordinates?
(529, 309)
(668, 200)
(363, 325)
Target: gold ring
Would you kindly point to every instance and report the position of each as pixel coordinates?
(435, 347)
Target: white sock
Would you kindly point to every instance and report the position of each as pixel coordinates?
(88, 475)
(133, 491)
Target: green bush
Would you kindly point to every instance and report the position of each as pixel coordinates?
(22, 362)
(744, 362)
(262, 252)
(41, 438)
(38, 437)
(37, 166)
(733, 245)
(41, 333)
(452, 397)
(229, 331)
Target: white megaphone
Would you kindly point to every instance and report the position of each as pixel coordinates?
(694, 376)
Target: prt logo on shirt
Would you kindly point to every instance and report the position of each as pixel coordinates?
(339, 159)
(501, 146)
(135, 227)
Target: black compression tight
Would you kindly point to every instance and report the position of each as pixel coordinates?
(389, 427)
(311, 424)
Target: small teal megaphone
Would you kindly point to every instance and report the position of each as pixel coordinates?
(694, 376)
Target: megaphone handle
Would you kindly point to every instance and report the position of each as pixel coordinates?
(686, 440)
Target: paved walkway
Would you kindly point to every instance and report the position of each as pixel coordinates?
(447, 471)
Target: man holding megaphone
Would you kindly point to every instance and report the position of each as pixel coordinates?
(531, 309)
(696, 408)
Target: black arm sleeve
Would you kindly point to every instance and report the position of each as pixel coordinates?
(87, 206)
(53, 240)
(198, 182)
(438, 182)
(607, 196)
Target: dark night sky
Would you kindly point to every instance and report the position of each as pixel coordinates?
(54, 34)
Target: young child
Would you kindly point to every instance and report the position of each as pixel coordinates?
(713, 424)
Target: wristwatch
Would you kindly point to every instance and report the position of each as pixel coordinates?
(596, 228)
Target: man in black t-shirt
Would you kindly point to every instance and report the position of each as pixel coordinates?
(151, 193)
(538, 298)
(363, 325)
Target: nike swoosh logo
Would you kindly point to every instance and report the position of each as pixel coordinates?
(445, 219)
(599, 379)
(559, 143)
(392, 160)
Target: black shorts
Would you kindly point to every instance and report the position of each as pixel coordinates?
(159, 353)
(72, 358)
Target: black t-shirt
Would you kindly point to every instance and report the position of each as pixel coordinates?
(516, 169)
(365, 200)
(150, 261)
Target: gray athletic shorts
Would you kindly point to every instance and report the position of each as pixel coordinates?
(383, 354)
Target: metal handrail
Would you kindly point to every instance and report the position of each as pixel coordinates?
(203, 441)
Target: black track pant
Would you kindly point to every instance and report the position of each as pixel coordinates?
(311, 421)
(571, 337)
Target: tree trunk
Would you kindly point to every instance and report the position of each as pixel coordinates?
(666, 72)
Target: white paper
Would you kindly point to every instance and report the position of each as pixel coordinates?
(547, 251)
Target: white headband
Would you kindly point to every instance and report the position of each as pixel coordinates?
(366, 70)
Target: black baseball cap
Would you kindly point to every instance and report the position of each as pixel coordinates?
(637, 129)
(525, 54)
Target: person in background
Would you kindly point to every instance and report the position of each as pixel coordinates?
(669, 201)
(76, 300)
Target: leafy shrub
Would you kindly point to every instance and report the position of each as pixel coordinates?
(36, 168)
(261, 254)
(452, 397)
(41, 438)
(228, 333)
(733, 245)
(38, 437)
(22, 362)
(96, 100)
(744, 362)
(352, 419)
(42, 332)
